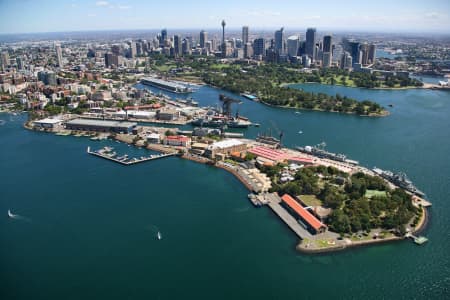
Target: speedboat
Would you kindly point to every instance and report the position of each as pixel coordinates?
(158, 236)
(11, 215)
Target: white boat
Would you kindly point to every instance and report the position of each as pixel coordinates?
(11, 215)
(159, 236)
(300, 132)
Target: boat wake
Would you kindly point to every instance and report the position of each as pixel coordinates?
(18, 217)
(241, 210)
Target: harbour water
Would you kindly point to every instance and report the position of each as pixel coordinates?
(92, 224)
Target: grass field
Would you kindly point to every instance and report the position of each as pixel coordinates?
(372, 193)
(310, 200)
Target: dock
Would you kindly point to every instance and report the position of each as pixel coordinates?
(420, 240)
(274, 203)
(132, 161)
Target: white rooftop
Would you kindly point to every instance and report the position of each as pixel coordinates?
(226, 144)
(48, 121)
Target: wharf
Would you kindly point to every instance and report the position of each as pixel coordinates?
(129, 162)
(274, 204)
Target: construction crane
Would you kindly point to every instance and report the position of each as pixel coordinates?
(226, 104)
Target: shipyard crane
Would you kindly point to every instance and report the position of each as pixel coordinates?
(226, 104)
(280, 133)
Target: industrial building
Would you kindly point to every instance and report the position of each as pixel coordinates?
(177, 140)
(225, 148)
(307, 218)
(101, 125)
(47, 123)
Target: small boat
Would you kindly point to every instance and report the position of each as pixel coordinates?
(11, 215)
(159, 236)
(391, 105)
(297, 112)
(300, 132)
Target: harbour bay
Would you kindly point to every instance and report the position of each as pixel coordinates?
(93, 223)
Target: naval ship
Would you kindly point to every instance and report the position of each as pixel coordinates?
(400, 179)
(319, 151)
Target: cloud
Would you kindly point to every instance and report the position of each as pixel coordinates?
(123, 6)
(263, 13)
(102, 3)
(91, 15)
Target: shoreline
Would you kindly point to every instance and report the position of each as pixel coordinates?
(342, 245)
(387, 113)
(360, 87)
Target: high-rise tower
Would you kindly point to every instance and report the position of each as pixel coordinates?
(203, 38)
(311, 43)
(224, 46)
(244, 35)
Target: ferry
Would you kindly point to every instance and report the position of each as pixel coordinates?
(250, 97)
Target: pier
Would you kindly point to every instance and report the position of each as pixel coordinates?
(274, 203)
(132, 161)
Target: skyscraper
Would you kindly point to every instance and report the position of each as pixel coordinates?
(259, 47)
(133, 50)
(327, 51)
(372, 53)
(279, 41)
(311, 43)
(293, 43)
(203, 38)
(163, 37)
(327, 43)
(59, 55)
(224, 46)
(4, 60)
(248, 50)
(244, 35)
(177, 45)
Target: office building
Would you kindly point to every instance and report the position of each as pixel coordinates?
(293, 43)
(259, 47)
(203, 38)
(248, 50)
(327, 54)
(372, 53)
(111, 60)
(59, 55)
(244, 35)
(279, 41)
(163, 38)
(311, 43)
(177, 45)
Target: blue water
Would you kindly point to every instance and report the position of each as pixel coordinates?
(93, 223)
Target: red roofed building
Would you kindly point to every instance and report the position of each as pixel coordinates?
(300, 160)
(306, 216)
(268, 153)
(177, 140)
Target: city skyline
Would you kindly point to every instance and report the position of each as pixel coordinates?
(90, 15)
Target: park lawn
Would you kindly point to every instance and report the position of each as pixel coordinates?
(310, 200)
(371, 193)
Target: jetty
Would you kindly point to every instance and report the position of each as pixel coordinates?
(123, 160)
(274, 202)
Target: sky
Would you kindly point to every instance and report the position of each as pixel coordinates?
(30, 16)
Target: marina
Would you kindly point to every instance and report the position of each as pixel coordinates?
(109, 154)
